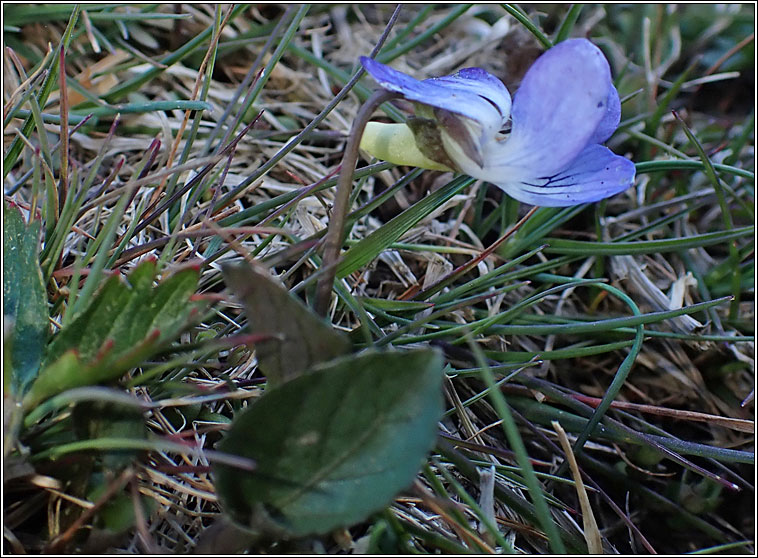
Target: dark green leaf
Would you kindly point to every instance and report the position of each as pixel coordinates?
(299, 338)
(333, 446)
(118, 513)
(103, 419)
(24, 297)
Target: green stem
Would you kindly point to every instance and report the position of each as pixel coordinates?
(516, 443)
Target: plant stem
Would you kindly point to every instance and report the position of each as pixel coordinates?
(333, 238)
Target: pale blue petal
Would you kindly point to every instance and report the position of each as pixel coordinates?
(482, 83)
(464, 93)
(562, 101)
(596, 174)
(610, 120)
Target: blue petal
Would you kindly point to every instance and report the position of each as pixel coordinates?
(611, 118)
(596, 174)
(561, 103)
(482, 83)
(472, 92)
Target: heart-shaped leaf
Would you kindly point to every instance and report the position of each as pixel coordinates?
(24, 297)
(335, 445)
(298, 339)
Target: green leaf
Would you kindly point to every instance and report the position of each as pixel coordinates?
(122, 326)
(118, 513)
(102, 419)
(298, 338)
(24, 297)
(333, 446)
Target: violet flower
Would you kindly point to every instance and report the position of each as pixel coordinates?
(565, 107)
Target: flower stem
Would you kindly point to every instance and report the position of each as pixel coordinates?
(334, 236)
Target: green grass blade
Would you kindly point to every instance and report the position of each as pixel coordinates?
(580, 247)
(190, 46)
(734, 257)
(567, 25)
(618, 379)
(389, 55)
(371, 246)
(524, 20)
(522, 456)
(47, 87)
(665, 166)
